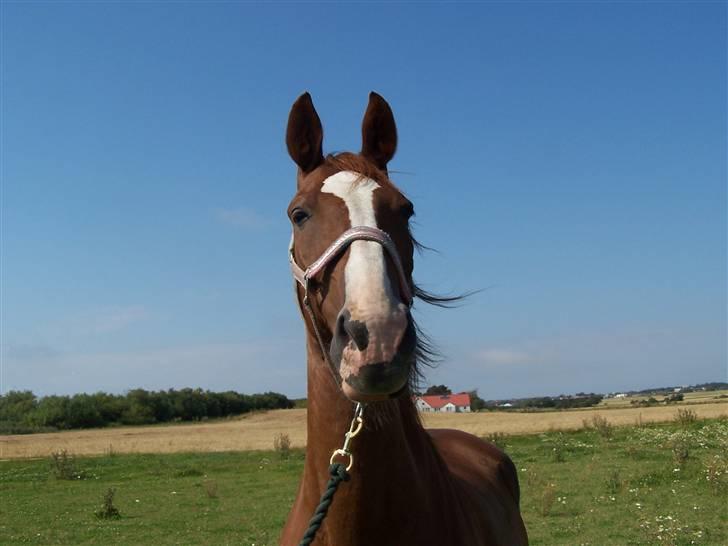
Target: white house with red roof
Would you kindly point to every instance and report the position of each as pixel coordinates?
(443, 403)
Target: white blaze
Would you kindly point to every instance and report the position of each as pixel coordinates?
(368, 290)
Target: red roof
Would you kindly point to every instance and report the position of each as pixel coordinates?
(437, 401)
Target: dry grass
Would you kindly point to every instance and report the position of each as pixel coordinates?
(482, 424)
(255, 431)
(699, 397)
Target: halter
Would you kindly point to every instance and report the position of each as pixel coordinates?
(330, 255)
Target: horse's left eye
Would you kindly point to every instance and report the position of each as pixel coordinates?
(299, 216)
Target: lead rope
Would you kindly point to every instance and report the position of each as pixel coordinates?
(338, 472)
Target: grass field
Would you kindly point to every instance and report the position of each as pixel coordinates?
(256, 432)
(652, 484)
(697, 397)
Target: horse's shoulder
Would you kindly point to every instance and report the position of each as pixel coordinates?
(476, 460)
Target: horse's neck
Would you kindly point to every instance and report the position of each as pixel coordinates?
(392, 452)
(330, 413)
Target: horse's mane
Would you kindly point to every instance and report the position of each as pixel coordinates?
(347, 161)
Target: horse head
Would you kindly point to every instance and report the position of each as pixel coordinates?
(357, 287)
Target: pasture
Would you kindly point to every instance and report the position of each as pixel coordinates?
(256, 431)
(650, 484)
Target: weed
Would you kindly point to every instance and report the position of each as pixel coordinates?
(680, 446)
(686, 417)
(282, 444)
(614, 482)
(63, 466)
(602, 426)
(107, 509)
(497, 438)
(188, 472)
(210, 487)
(548, 497)
(716, 474)
(557, 453)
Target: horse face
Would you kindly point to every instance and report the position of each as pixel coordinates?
(358, 303)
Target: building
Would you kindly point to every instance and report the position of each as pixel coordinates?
(446, 403)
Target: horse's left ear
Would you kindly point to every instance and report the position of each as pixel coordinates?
(378, 132)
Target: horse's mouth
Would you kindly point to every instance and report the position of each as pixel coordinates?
(376, 382)
(381, 371)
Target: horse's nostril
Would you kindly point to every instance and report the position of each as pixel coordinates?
(358, 333)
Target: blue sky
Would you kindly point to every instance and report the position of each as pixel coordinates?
(568, 158)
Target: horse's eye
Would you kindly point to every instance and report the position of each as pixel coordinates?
(299, 216)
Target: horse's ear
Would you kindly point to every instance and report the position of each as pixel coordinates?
(378, 132)
(305, 135)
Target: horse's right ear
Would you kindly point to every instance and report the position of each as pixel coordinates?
(305, 136)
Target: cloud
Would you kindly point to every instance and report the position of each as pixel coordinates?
(241, 218)
(105, 320)
(502, 357)
(245, 367)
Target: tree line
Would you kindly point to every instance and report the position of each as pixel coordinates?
(580, 400)
(23, 411)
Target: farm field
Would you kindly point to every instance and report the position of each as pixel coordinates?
(697, 397)
(636, 485)
(256, 432)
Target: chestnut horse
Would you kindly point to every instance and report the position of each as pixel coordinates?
(409, 486)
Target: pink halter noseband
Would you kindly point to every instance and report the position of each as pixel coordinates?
(356, 233)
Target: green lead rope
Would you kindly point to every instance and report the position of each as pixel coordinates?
(338, 474)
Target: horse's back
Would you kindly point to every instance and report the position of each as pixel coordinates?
(486, 477)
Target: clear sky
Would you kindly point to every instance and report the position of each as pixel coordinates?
(567, 158)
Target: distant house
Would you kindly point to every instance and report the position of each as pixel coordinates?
(446, 403)
(620, 395)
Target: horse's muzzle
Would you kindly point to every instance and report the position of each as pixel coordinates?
(374, 357)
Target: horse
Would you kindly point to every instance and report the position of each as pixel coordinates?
(352, 255)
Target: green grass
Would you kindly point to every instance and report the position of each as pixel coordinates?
(635, 487)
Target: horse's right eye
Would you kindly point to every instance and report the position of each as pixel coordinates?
(299, 216)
